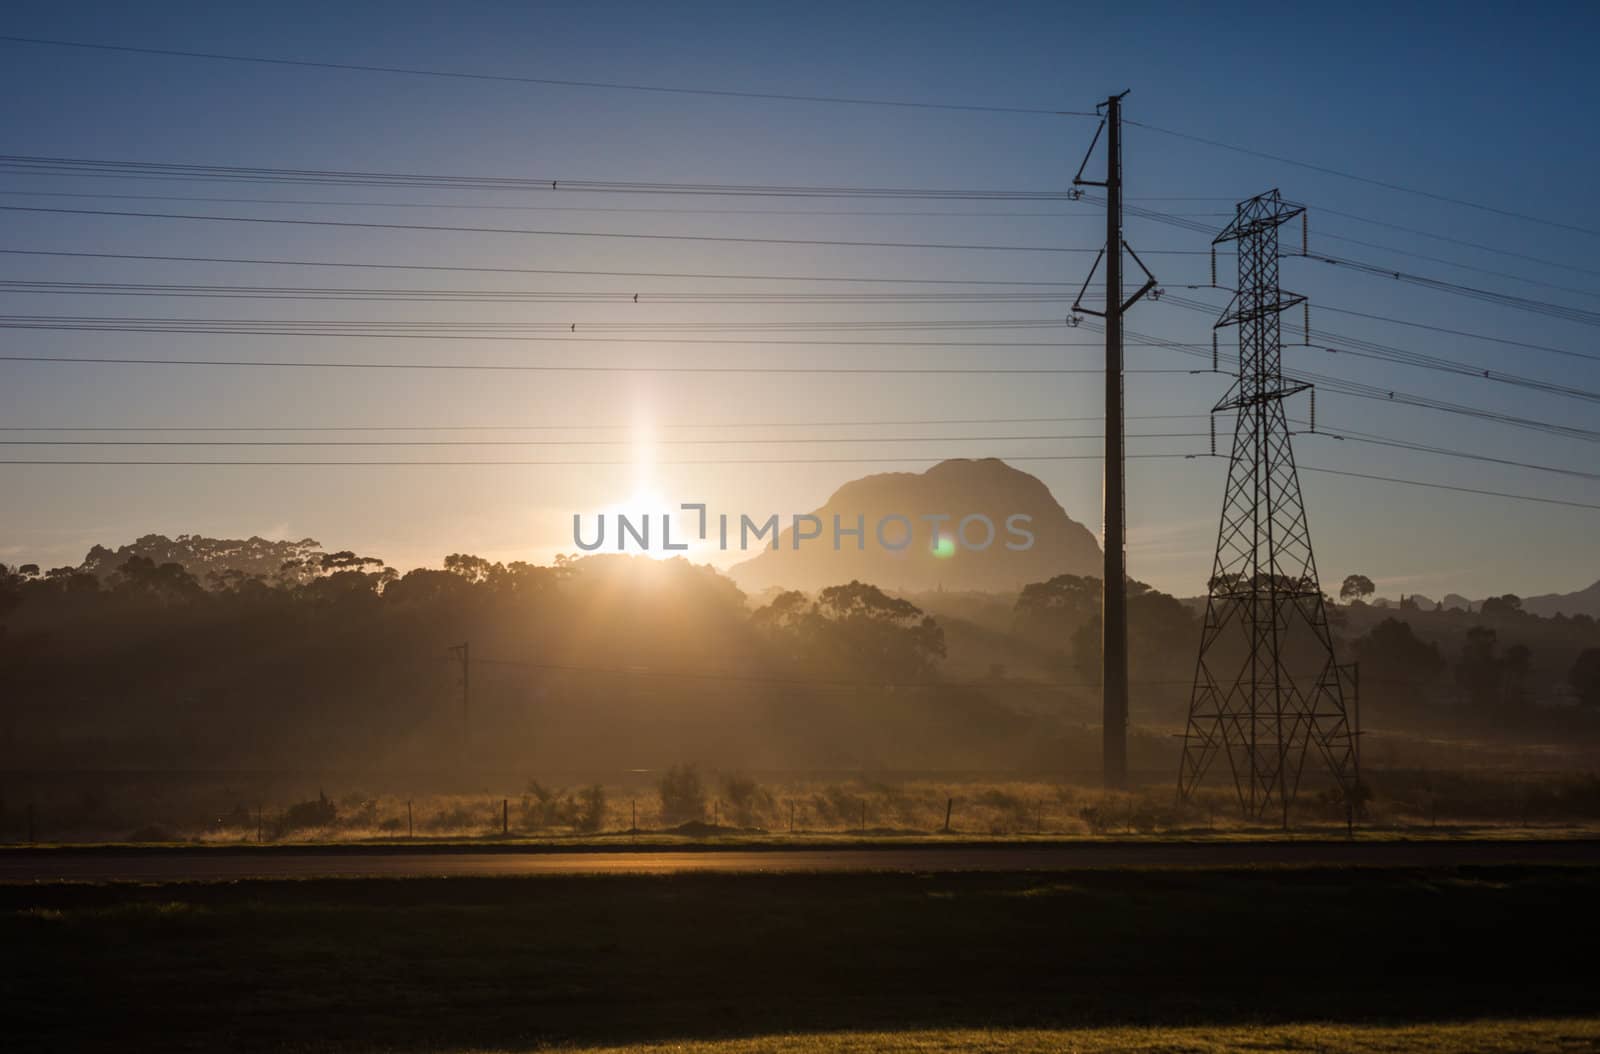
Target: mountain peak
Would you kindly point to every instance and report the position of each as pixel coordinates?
(966, 499)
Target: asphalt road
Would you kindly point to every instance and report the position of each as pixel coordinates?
(211, 864)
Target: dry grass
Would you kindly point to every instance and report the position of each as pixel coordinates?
(1413, 804)
(1545, 1036)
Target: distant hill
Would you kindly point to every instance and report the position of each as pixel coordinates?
(1583, 602)
(956, 488)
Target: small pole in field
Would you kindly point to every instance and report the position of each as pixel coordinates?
(791, 817)
(409, 828)
(505, 817)
(949, 803)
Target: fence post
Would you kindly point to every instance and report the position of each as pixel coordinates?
(949, 803)
(505, 817)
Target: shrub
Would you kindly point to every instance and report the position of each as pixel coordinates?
(747, 800)
(550, 807)
(683, 796)
(306, 815)
(592, 809)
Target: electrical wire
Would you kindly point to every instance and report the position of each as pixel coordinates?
(1539, 307)
(372, 265)
(530, 232)
(1385, 184)
(727, 93)
(479, 206)
(527, 368)
(621, 426)
(517, 296)
(577, 464)
(20, 164)
(742, 441)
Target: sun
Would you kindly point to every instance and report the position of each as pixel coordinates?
(646, 502)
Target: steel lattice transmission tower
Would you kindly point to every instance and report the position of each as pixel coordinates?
(1268, 690)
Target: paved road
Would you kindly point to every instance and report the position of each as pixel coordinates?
(169, 865)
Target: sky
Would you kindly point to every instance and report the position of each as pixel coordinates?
(1454, 101)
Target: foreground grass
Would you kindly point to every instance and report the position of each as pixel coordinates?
(1153, 957)
(735, 838)
(1550, 1036)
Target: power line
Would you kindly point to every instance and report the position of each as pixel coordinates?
(529, 232)
(1456, 264)
(621, 426)
(57, 166)
(1387, 185)
(1506, 341)
(480, 206)
(583, 464)
(352, 67)
(1375, 393)
(1450, 487)
(1538, 307)
(742, 441)
(336, 293)
(1183, 223)
(526, 368)
(1321, 209)
(1419, 360)
(372, 265)
(723, 675)
(381, 327)
(1351, 436)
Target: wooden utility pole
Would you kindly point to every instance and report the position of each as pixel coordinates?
(1114, 604)
(463, 654)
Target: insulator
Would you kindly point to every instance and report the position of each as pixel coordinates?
(1307, 305)
(1313, 411)
(1213, 351)
(1213, 267)
(1213, 437)
(1305, 231)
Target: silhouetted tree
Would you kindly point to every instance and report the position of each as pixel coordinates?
(1501, 606)
(1478, 671)
(1395, 664)
(1585, 677)
(1356, 587)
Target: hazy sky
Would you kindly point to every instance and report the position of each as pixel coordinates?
(1461, 102)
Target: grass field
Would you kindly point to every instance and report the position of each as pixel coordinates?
(1554, 1036)
(512, 964)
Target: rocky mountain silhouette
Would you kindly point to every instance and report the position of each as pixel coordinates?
(1583, 602)
(960, 489)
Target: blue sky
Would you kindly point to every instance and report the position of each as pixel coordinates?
(1461, 101)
